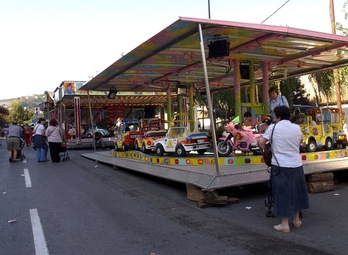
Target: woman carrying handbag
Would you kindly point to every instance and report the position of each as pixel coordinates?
(289, 188)
(54, 137)
(40, 141)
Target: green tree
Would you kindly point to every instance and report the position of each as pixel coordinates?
(325, 80)
(287, 88)
(16, 111)
(300, 95)
(342, 72)
(224, 104)
(3, 115)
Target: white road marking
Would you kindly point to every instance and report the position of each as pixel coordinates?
(39, 237)
(27, 178)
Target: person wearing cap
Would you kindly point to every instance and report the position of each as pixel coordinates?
(13, 141)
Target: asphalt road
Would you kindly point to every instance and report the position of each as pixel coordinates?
(88, 208)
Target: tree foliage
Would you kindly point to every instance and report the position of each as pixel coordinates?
(3, 110)
(224, 104)
(16, 111)
(3, 115)
(300, 95)
(287, 88)
(324, 80)
(342, 72)
(19, 113)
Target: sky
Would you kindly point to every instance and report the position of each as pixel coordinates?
(45, 42)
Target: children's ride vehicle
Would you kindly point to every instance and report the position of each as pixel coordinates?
(127, 140)
(102, 131)
(180, 141)
(321, 127)
(146, 142)
(238, 138)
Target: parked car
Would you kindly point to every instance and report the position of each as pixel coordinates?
(146, 141)
(180, 140)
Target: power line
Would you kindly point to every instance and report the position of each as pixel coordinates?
(275, 11)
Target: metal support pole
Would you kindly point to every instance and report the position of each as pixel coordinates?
(169, 108)
(180, 111)
(265, 86)
(210, 105)
(91, 118)
(237, 95)
(192, 120)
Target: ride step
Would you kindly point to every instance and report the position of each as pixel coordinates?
(321, 182)
(321, 177)
(208, 198)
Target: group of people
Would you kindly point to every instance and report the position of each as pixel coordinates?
(47, 138)
(275, 100)
(43, 138)
(287, 176)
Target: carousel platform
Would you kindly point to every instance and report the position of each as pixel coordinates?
(201, 171)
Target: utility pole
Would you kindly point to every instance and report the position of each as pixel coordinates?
(337, 85)
(209, 9)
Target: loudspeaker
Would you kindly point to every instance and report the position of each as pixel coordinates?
(219, 48)
(244, 70)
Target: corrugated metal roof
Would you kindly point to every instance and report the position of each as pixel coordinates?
(119, 100)
(173, 56)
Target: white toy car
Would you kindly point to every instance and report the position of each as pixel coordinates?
(179, 140)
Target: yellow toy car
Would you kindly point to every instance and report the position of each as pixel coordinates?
(322, 127)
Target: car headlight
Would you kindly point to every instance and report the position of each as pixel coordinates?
(342, 137)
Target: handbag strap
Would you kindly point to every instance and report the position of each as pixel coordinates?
(271, 140)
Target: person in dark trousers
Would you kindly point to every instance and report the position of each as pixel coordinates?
(54, 137)
(13, 141)
(40, 142)
(289, 188)
(99, 142)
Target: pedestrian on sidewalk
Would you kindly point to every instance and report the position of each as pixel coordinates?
(54, 137)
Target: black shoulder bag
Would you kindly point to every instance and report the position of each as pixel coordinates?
(267, 151)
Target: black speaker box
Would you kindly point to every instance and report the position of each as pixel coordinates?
(244, 70)
(219, 48)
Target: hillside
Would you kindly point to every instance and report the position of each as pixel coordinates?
(30, 102)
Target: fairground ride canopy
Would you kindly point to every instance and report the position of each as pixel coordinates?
(174, 57)
(101, 101)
